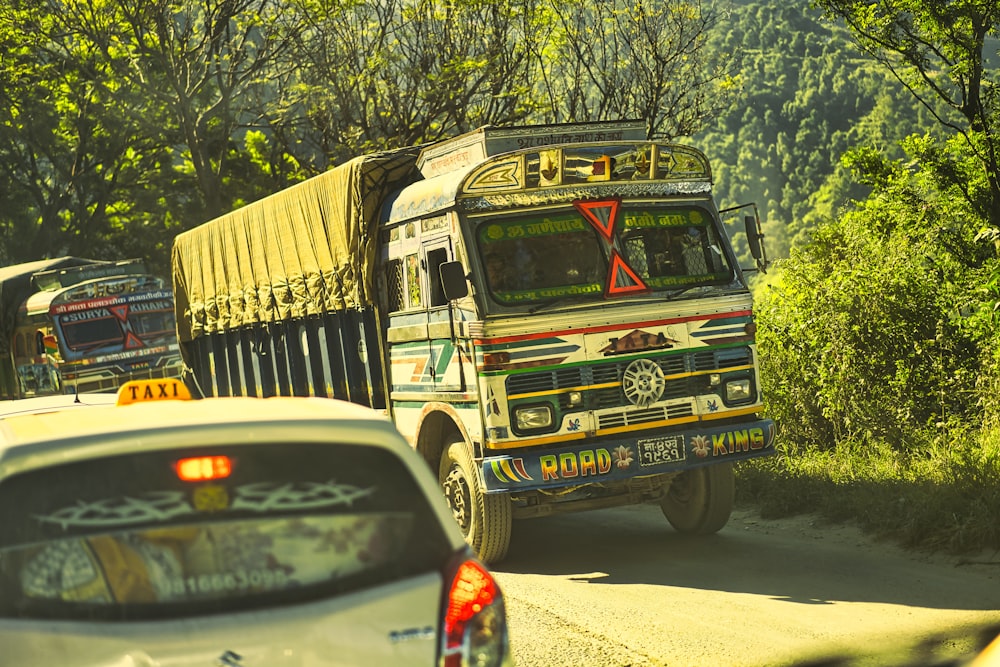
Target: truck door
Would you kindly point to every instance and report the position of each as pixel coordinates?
(442, 353)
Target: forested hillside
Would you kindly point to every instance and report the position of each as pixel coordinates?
(807, 96)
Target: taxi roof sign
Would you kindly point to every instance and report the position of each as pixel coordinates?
(143, 391)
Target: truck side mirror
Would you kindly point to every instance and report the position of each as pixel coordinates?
(453, 281)
(755, 241)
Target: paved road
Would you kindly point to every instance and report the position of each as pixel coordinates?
(619, 588)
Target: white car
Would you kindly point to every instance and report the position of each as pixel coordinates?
(240, 532)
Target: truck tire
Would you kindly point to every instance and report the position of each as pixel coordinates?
(700, 501)
(485, 519)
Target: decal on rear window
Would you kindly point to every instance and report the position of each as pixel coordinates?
(215, 560)
(164, 505)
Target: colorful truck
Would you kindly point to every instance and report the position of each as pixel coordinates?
(75, 325)
(553, 316)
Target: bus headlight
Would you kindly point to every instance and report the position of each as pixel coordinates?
(738, 391)
(533, 417)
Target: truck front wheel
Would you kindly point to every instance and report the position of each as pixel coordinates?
(485, 519)
(700, 501)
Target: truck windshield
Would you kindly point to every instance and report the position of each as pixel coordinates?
(540, 258)
(671, 248)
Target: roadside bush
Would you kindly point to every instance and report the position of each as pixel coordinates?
(938, 493)
(880, 360)
(864, 333)
(858, 341)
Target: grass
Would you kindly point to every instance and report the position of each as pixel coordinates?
(940, 492)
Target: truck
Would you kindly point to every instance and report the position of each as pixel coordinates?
(554, 317)
(77, 325)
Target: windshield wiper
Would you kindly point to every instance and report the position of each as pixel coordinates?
(567, 300)
(673, 294)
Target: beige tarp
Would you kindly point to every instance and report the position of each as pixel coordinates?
(305, 250)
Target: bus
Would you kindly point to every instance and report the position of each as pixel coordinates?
(84, 326)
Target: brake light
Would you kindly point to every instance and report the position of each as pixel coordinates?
(475, 623)
(204, 468)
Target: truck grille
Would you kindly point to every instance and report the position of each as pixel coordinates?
(582, 377)
(644, 416)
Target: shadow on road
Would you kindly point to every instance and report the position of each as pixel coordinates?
(635, 545)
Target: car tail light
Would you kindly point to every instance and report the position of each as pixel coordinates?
(475, 621)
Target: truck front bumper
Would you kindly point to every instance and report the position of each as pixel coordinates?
(617, 458)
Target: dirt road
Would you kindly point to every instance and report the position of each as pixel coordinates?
(619, 588)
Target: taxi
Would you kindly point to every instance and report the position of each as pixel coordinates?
(241, 532)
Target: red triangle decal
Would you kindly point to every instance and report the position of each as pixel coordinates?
(601, 213)
(622, 279)
(133, 342)
(121, 312)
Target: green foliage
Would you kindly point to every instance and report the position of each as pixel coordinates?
(879, 334)
(396, 73)
(865, 333)
(938, 492)
(124, 123)
(625, 59)
(66, 145)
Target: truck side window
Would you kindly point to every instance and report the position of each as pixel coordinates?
(413, 289)
(394, 285)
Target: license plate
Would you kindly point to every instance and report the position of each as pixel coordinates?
(654, 451)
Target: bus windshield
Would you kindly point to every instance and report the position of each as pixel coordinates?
(135, 324)
(537, 258)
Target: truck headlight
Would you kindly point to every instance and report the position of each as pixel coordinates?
(533, 417)
(738, 391)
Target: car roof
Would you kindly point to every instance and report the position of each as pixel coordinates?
(54, 402)
(32, 440)
(66, 428)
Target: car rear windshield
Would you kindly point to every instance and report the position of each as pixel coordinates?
(125, 537)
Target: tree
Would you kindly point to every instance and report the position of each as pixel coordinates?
(200, 68)
(937, 50)
(807, 95)
(865, 331)
(394, 73)
(627, 59)
(127, 122)
(67, 146)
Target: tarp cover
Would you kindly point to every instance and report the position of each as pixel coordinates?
(16, 287)
(303, 251)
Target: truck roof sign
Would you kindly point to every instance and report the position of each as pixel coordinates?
(472, 147)
(64, 277)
